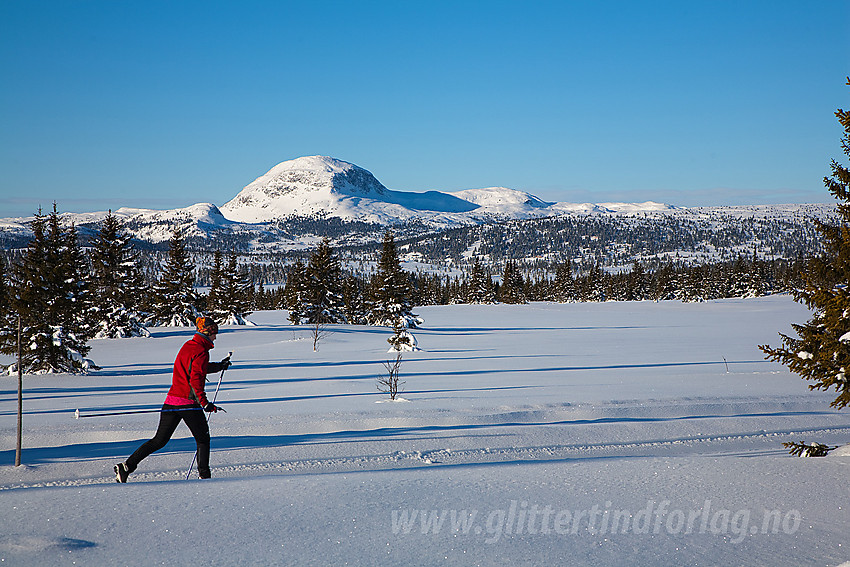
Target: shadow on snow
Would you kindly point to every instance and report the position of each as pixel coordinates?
(120, 449)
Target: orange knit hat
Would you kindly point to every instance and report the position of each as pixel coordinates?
(206, 326)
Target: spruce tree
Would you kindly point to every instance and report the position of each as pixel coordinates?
(402, 339)
(28, 297)
(117, 283)
(175, 299)
(591, 287)
(390, 303)
(512, 289)
(261, 300)
(563, 288)
(295, 292)
(353, 300)
(82, 320)
(214, 303)
(434, 292)
(636, 283)
(8, 318)
(323, 301)
(665, 283)
(232, 301)
(692, 288)
(821, 353)
(479, 287)
(49, 292)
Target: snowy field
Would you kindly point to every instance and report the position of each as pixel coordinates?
(548, 434)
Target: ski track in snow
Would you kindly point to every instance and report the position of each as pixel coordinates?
(700, 446)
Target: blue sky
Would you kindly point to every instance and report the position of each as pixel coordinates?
(162, 104)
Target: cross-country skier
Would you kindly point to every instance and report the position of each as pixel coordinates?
(186, 400)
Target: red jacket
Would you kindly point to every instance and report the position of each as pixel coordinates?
(190, 371)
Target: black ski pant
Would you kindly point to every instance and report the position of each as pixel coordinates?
(169, 419)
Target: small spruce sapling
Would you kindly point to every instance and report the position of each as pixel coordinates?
(402, 339)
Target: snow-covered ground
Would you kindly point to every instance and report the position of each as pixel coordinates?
(547, 434)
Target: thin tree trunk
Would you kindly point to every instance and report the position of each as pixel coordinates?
(20, 398)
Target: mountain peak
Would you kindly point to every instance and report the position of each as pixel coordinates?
(501, 198)
(305, 185)
(322, 186)
(317, 164)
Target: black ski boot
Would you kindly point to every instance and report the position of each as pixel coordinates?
(121, 472)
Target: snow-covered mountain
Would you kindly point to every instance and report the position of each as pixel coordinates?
(299, 201)
(149, 225)
(324, 186)
(320, 185)
(196, 221)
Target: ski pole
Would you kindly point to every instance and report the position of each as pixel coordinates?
(78, 415)
(215, 395)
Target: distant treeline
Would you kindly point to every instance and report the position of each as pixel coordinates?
(743, 277)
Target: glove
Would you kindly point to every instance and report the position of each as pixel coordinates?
(212, 408)
(225, 363)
